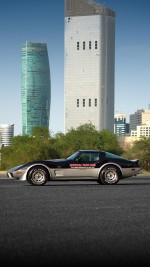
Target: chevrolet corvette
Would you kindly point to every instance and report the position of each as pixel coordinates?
(101, 166)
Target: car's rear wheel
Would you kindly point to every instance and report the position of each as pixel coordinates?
(37, 175)
(109, 175)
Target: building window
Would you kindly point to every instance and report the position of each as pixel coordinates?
(89, 44)
(89, 102)
(95, 102)
(83, 102)
(83, 45)
(95, 44)
(77, 102)
(77, 45)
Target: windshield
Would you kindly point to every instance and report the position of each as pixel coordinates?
(73, 156)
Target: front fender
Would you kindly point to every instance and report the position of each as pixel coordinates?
(39, 164)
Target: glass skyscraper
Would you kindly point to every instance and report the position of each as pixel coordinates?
(35, 86)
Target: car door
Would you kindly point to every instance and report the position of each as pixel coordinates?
(85, 165)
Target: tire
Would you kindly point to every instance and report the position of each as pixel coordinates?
(109, 175)
(37, 175)
(99, 181)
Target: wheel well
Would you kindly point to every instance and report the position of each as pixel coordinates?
(113, 165)
(39, 166)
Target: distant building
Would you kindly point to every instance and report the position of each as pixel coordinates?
(35, 87)
(138, 118)
(120, 126)
(139, 128)
(89, 64)
(6, 134)
(142, 130)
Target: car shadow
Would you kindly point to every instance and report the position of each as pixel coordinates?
(83, 184)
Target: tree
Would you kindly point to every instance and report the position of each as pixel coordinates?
(41, 145)
(140, 150)
(108, 142)
(87, 137)
(41, 132)
(28, 148)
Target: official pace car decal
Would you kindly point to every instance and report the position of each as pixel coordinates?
(84, 165)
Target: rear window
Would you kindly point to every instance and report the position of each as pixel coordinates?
(110, 155)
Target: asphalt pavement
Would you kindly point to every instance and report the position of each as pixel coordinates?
(75, 223)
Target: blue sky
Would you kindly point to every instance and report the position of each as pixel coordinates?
(43, 21)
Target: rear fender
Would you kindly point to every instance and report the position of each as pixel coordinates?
(111, 163)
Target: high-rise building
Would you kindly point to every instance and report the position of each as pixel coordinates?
(6, 134)
(36, 86)
(121, 127)
(89, 64)
(140, 117)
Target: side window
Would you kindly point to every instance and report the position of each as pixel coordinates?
(84, 157)
(95, 156)
(89, 157)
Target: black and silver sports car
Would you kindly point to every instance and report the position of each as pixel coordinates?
(101, 166)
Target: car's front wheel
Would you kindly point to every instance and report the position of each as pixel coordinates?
(37, 175)
(109, 175)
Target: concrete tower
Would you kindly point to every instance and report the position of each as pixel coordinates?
(89, 64)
